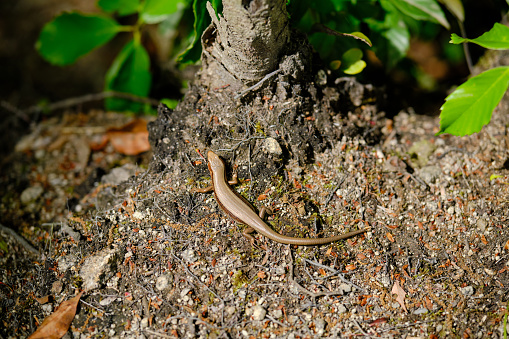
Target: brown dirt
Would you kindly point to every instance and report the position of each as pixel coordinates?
(158, 261)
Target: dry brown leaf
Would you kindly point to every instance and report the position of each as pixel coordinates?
(130, 139)
(390, 237)
(44, 300)
(483, 239)
(421, 226)
(400, 292)
(350, 267)
(329, 251)
(379, 321)
(57, 324)
(428, 303)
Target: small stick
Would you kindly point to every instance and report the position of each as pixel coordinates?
(19, 239)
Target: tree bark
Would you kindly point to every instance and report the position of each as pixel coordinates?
(245, 44)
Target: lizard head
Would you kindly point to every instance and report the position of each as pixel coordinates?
(215, 162)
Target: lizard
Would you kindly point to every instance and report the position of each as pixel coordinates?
(240, 210)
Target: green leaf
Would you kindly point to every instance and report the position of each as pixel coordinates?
(495, 38)
(360, 36)
(319, 27)
(355, 68)
(422, 10)
(155, 11)
(171, 103)
(352, 62)
(456, 8)
(129, 73)
(495, 176)
(469, 107)
(122, 7)
(72, 35)
(393, 38)
(201, 21)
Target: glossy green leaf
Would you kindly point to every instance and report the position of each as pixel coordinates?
(351, 61)
(122, 7)
(422, 10)
(71, 35)
(129, 73)
(155, 11)
(360, 36)
(470, 106)
(355, 68)
(495, 38)
(201, 21)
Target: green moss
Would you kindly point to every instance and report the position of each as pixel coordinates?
(239, 279)
(77, 281)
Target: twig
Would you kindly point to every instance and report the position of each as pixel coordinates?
(11, 108)
(158, 334)
(258, 84)
(302, 289)
(19, 239)
(275, 321)
(335, 272)
(95, 308)
(24, 114)
(360, 329)
(331, 194)
(465, 48)
(194, 276)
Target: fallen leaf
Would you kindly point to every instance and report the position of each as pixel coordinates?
(350, 267)
(57, 324)
(361, 256)
(44, 300)
(428, 303)
(379, 321)
(390, 237)
(483, 239)
(130, 139)
(400, 292)
(421, 226)
(261, 275)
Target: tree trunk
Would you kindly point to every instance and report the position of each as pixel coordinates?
(257, 100)
(245, 44)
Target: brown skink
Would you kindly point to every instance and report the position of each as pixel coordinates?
(241, 211)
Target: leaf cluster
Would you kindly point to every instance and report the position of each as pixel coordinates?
(388, 23)
(471, 105)
(72, 35)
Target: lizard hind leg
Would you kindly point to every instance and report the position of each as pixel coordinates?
(247, 233)
(265, 210)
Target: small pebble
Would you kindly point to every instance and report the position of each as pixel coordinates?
(258, 313)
